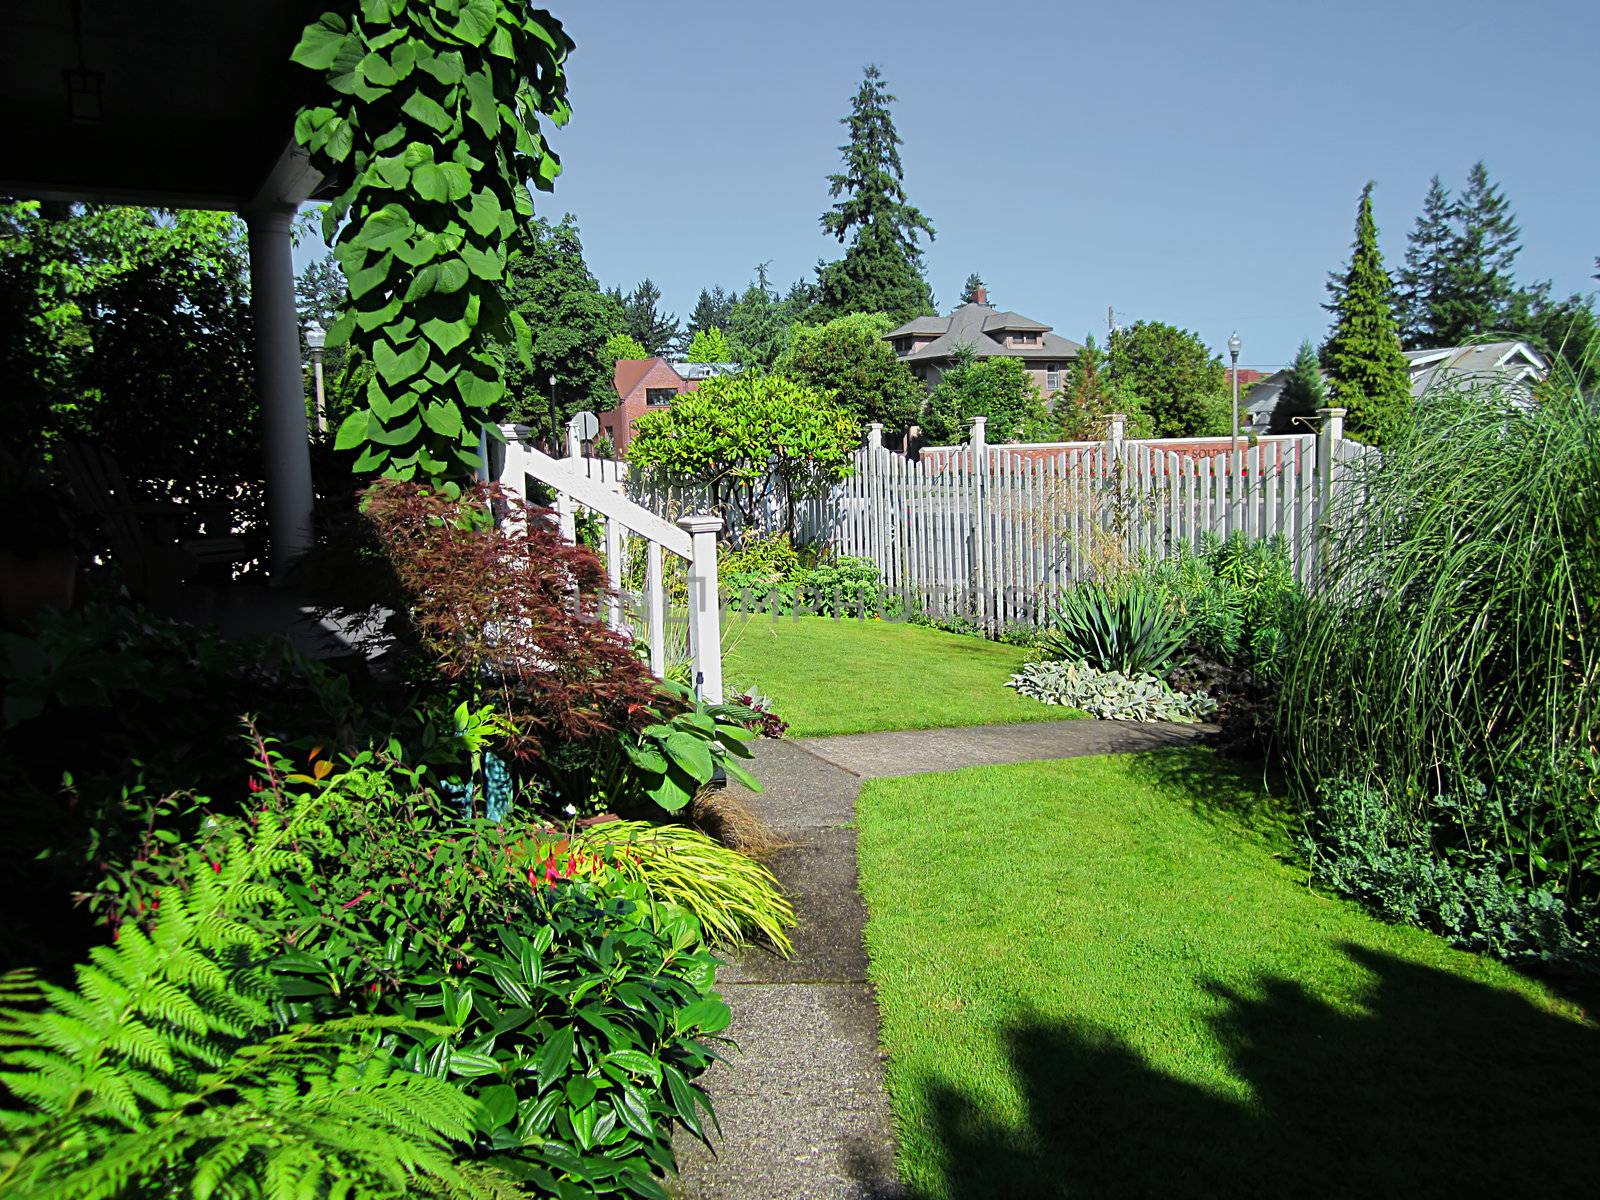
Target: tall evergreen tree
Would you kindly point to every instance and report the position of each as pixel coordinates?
(711, 310)
(642, 318)
(1084, 405)
(1303, 392)
(1368, 372)
(969, 290)
(1479, 285)
(757, 328)
(881, 270)
(1424, 281)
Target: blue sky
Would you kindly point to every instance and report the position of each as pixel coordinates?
(1197, 163)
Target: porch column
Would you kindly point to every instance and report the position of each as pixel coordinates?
(279, 387)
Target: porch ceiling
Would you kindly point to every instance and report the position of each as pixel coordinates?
(198, 101)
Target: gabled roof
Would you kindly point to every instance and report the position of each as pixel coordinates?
(1508, 362)
(630, 371)
(971, 326)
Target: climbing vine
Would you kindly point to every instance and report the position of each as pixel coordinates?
(431, 123)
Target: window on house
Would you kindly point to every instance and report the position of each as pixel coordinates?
(1052, 376)
(660, 397)
(1024, 339)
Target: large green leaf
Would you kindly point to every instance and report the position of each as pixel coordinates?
(554, 1056)
(443, 418)
(422, 107)
(352, 431)
(446, 335)
(321, 42)
(691, 753)
(484, 214)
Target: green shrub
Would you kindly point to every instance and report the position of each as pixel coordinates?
(843, 587)
(772, 556)
(1109, 695)
(1448, 663)
(1128, 627)
(167, 1071)
(733, 897)
(1237, 596)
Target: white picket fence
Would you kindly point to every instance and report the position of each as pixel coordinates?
(995, 533)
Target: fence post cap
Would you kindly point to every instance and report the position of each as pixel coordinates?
(700, 523)
(1332, 412)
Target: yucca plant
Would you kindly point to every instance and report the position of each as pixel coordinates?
(733, 897)
(166, 1072)
(1129, 627)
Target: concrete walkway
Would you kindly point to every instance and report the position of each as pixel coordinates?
(803, 1112)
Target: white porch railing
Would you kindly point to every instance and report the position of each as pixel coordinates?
(692, 539)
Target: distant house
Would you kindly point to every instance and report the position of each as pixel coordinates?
(1515, 364)
(929, 345)
(646, 384)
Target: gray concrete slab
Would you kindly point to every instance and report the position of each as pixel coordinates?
(916, 751)
(800, 790)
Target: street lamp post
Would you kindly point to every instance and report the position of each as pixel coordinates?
(555, 432)
(316, 339)
(1233, 356)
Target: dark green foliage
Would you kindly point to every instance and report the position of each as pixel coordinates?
(1565, 331)
(712, 310)
(1130, 627)
(643, 319)
(549, 285)
(1477, 285)
(1423, 282)
(1448, 663)
(969, 290)
(1169, 376)
(881, 270)
(1084, 405)
(1303, 393)
(429, 114)
(840, 587)
(849, 358)
(758, 324)
(167, 1070)
(1368, 372)
(998, 388)
(1237, 595)
(112, 320)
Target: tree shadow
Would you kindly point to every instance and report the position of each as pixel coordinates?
(1437, 1086)
(1237, 795)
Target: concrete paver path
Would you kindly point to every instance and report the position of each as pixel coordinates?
(803, 1112)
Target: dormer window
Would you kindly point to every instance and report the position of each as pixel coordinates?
(1024, 339)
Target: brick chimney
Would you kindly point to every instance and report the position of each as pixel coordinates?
(980, 295)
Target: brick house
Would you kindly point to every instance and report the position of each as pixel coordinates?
(646, 384)
(928, 345)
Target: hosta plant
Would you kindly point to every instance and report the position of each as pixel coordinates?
(1128, 627)
(1110, 695)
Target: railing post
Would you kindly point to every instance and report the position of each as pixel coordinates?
(1118, 430)
(875, 436)
(980, 439)
(705, 624)
(1330, 432)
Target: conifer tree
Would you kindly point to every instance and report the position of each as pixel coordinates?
(711, 310)
(1368, 372)
(1303, 392)
(969, 290)
(881, 270)
(643, 319)
(1480, 287)
(1424, 280)
(1084, 405)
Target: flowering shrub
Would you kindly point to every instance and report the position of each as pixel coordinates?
(1109, 695)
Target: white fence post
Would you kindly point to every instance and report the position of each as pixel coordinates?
(980, 439)
(705, 625)
(1119, 429)
(875, 435)
(1329, 434)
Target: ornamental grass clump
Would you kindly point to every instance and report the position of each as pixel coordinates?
(1448, 666)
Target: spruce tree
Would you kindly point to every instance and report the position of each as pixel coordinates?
(1303, 392)
(881, 270)
(1369, 373)
(711, 310)
(969, 290)
(1424, 280)
(1479, 286)
(643, 319)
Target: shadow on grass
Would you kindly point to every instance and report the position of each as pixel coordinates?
(1441, 1087)
(1238, 795)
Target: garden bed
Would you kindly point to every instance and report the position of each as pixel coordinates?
(1102, 979)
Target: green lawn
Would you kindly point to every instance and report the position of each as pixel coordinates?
(1097, 979)
(830, 676)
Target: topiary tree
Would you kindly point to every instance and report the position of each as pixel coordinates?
(430, 109)
(746, 439)
(848, 358)
(1369, 373)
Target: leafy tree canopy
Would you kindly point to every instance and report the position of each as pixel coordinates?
(998, 388)
(1369, 374)
(881, 270)
(709, 346)
(848, 358)
(745, 438)
(1171, 377)
(571, 320)
(130, 327)
(622, 345)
